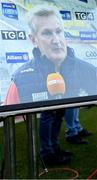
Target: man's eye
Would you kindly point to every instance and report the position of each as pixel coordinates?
(47, 33)
(59, 31)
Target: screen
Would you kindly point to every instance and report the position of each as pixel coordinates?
(48, 54)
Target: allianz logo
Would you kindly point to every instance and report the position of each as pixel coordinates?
(91, 54)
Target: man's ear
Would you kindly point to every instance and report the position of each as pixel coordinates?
(33, 39)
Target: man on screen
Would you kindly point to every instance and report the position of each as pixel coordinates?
(51, 55)
(29, 83)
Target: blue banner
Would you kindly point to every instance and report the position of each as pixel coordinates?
(9, 10)
(86, 35)
(17, 57)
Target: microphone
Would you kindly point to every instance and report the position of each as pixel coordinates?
(56, 85)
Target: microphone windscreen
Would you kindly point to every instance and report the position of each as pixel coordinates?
(55, 84)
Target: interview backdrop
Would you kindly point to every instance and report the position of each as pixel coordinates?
(38, 81)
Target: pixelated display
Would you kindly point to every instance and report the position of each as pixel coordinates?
(51, 63)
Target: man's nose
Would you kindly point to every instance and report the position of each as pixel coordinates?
(55, 38)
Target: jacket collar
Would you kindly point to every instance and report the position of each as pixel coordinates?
(44, 63)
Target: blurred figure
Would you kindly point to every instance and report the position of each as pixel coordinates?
(75, 132)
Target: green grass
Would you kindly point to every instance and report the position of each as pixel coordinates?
(85, 156)
(85, 159)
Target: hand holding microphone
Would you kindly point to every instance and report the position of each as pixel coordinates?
(56, 85)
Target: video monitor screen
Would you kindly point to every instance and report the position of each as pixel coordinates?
(48, 54)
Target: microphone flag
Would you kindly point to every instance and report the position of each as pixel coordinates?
(56, 84)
